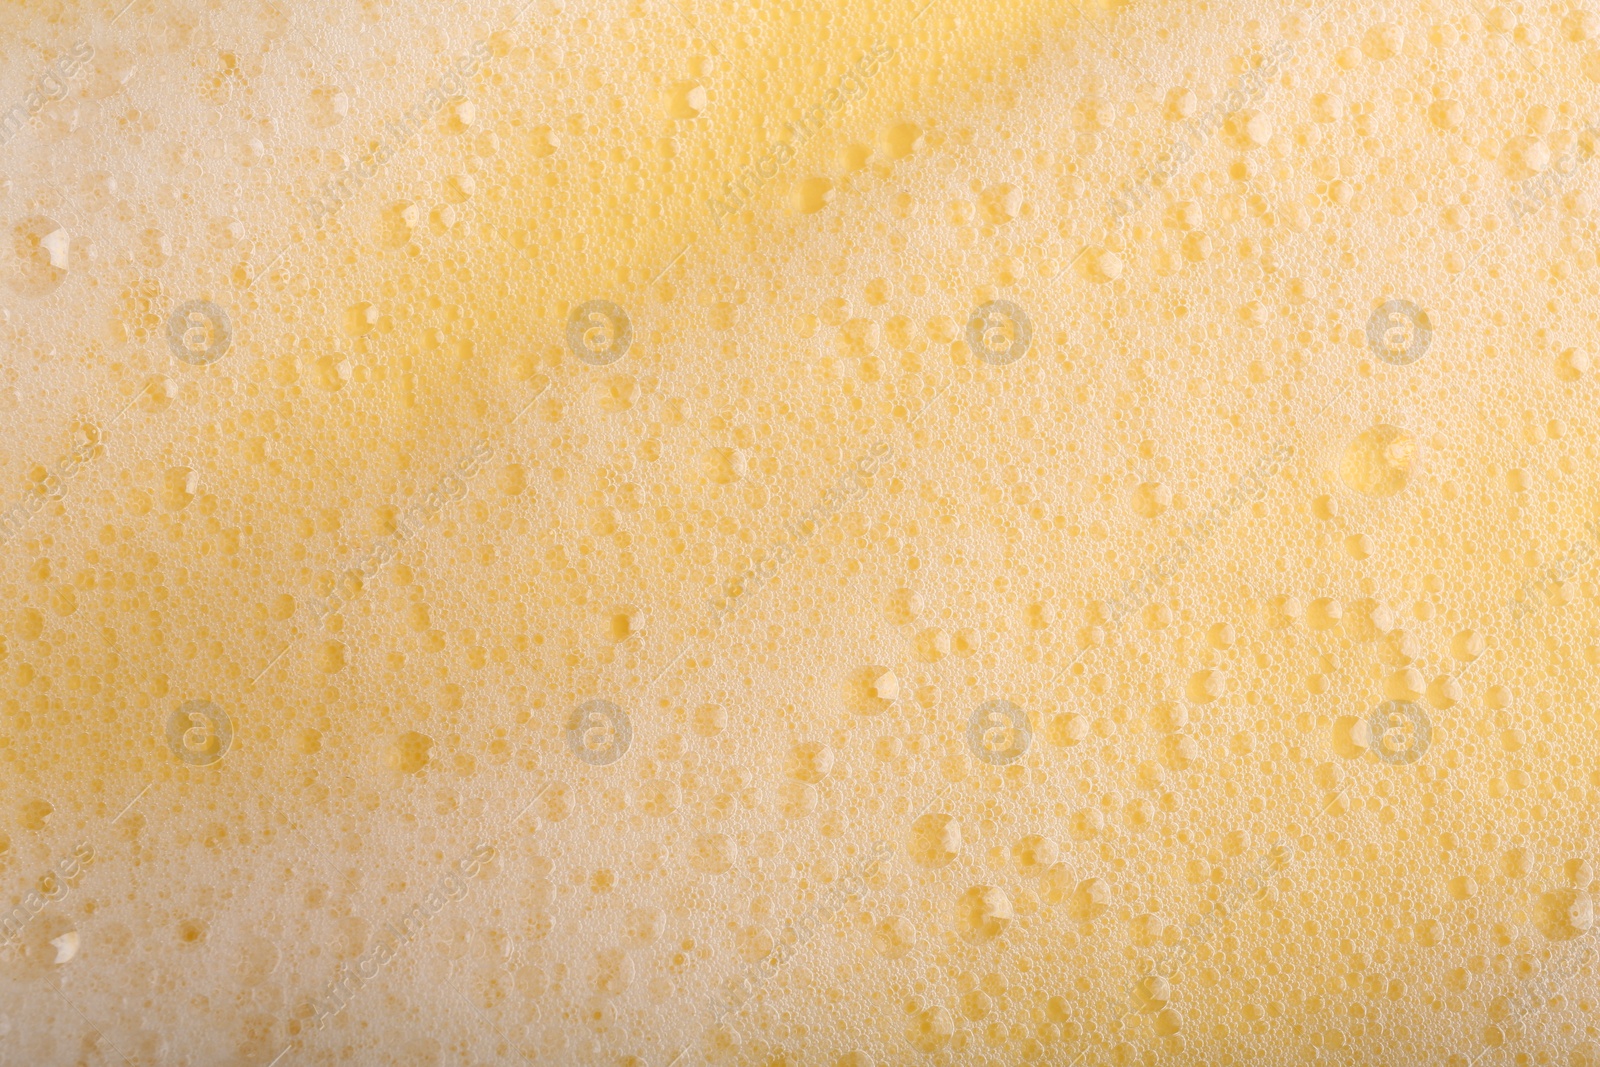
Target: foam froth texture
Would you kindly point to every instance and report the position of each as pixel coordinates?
(658, 533)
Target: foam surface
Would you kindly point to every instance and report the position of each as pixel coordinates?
(661, 533)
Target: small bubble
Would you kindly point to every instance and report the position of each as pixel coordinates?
(811, 195)
(180, 486)
(724, 466)
(1446, 114)
(459, 115)
(598, 732)
(894, 937)
(627, 622)
(598, 332)
(66, 946)
(1101, 265)
(1324, 613)
(810, 761)
(713, 853)
(882, 688)
(686, 100)
(902, 139)
(1384, 41)
(1572, 364)
(1516, 862)
(710, 720)
(1467, 645)
(199, 733)
(328, 107)
(1091, 899)
(1001, 203)
(1206, 686)
(398, 222)
(359, 319)
(1180, 104)
(1034, 854)
(1151, 499)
